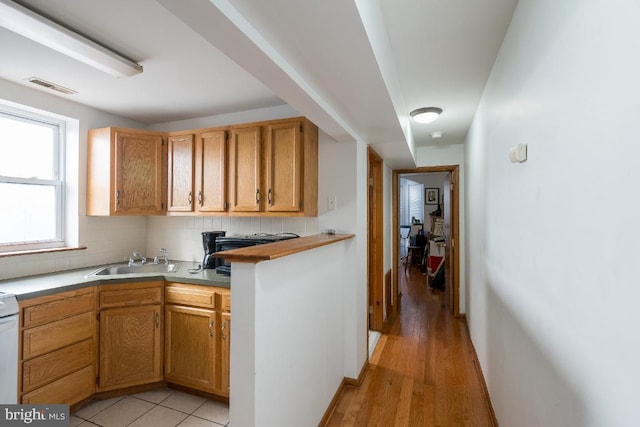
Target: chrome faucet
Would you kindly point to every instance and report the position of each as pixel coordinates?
(163, 255)
(136, 256)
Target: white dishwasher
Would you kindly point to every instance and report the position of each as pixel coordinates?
(8, 348)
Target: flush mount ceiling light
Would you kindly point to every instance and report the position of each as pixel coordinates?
(426, 115)
(31, 25)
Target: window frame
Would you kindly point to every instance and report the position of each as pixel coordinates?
(57, 181)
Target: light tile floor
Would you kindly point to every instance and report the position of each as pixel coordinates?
(163, 407)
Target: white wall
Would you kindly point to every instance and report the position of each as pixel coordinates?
(107, 239)
(261, 114)
(452, 155)
(343, 173)
(288, 352)
(437, 155)
(552, 279)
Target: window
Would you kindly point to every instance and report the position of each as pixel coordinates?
(416, 201)
(31, 181)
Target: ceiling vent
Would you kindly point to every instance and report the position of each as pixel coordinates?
(40, 82)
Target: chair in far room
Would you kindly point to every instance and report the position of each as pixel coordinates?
(404, 241)
(415, 250)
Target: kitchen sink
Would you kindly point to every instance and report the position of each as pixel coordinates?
(110, 270)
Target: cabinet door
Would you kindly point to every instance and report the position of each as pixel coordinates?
(211, 171)
(139, 171)
(180, 178)
(244, 170)
(284, 167)
(190, 347)
(130, 346)
(225, 347)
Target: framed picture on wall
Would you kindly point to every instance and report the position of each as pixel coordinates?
(431, 196)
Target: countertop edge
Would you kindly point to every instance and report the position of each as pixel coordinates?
(259, 253)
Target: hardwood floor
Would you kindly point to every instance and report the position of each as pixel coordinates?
(423, 371)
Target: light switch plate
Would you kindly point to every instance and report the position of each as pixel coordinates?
(332, 203)
(518, 153)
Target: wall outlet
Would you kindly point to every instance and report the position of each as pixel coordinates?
(332, 203)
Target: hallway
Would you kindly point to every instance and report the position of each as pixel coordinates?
(423, 371)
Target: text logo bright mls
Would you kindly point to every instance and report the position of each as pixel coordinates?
(34, 415)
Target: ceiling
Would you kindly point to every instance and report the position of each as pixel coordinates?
(354, 67)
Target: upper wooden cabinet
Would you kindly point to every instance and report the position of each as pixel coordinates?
(273, 168)
(284, 167)
(211, 169)
(180, 154)
(197, 172)
(245, 160)
(126, 172)
(257, 169)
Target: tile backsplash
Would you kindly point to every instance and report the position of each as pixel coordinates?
(182, 238)
(112, 239)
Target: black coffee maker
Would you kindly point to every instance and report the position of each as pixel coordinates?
(209, 244)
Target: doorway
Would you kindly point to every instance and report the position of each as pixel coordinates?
(375, 241)
(450, 197)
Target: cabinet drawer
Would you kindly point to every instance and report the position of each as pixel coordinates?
(57, 364)
(225, 301)
(56, 335)
(55, 307)
(130, 295)
(67, 390)
(195, 296)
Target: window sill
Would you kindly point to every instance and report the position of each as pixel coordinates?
(42, 251)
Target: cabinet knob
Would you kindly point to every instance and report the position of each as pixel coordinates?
(200, 197)
(257, 196)
(210, 328)
(270, 197)
(189, 201)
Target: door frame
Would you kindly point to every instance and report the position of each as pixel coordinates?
(454, 247)
(375, 241)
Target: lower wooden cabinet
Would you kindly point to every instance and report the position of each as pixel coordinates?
(130, 335)
(57, 351)
(197, 336)
(49, 367)
(130, 347)
(225, 351)
(74, 344)
(190, 347)
(69, 389)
